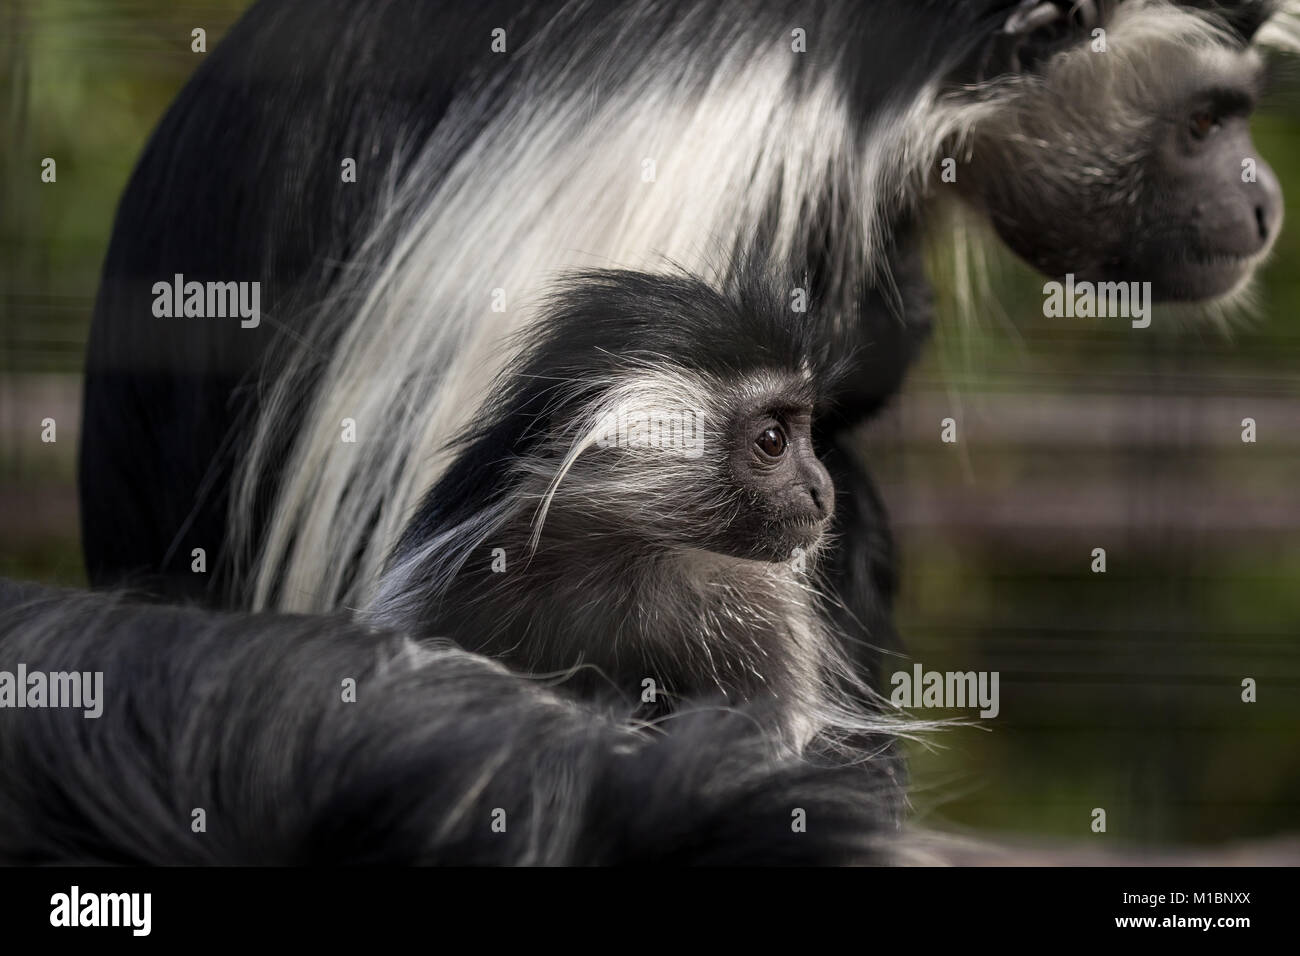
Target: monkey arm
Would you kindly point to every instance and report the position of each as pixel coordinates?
(311, 740)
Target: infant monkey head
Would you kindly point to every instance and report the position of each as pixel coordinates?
(644, 495)
(654, 411)
(719, 460)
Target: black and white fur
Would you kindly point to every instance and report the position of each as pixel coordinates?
(483, 171)
(575, 528)
(444, 757)
(688, 558)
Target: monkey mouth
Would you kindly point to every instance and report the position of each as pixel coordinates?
(1201, 277)
(784, 540)
(1196, 272)
(805, 533)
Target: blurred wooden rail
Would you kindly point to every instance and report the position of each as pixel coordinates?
(1077, 463)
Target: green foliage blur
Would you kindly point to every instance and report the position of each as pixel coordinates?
(1119, 690)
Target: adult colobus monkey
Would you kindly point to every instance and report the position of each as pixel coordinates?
(494, 144)
(643, 497)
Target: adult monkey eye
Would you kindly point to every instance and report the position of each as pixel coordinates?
(1202, 124)
(771, 442)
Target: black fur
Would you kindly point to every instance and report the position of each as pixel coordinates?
(242, 716)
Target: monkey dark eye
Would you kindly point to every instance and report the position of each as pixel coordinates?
(772, 442)
(1202, 124)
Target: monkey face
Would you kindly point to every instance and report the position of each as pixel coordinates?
(1220, 207)
(785, 496)
(1203, 210)
(1137, 169)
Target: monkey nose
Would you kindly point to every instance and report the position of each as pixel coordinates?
(1268, 203)
(822, 495)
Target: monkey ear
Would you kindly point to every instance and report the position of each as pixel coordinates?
(1035, 29)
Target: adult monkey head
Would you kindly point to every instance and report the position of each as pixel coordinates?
(1125, 155)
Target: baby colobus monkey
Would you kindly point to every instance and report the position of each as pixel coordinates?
(646, 478)
(464, 153)
(643, 497)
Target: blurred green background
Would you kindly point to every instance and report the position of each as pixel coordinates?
(1119, 690)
